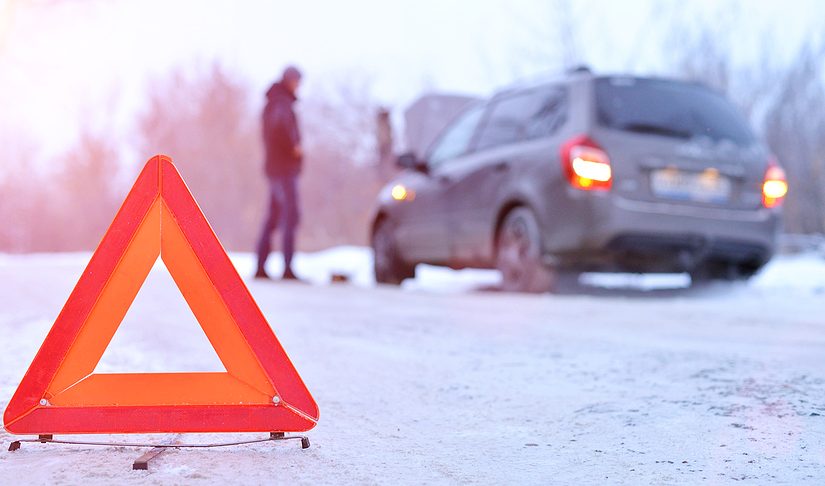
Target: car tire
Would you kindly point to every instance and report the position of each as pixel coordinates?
(519, 254)
(721, 271)
(387, 265)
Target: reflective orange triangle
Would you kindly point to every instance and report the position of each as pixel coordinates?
(260, 390)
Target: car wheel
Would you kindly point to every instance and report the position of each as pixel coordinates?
(519, 254)
(389, 269)
(730, 272)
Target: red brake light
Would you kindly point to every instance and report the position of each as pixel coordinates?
(775, 185)
(586, 165)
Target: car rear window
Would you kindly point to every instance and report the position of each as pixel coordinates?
(669, 108)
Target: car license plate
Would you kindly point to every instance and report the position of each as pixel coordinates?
(707, 186)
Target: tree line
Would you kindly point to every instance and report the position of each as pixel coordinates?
(207, 119)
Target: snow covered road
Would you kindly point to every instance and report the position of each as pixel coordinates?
(423, 385)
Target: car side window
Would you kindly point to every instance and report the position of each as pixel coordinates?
(524, 116)
(456, 140)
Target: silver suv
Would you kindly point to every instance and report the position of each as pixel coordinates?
(588, 173)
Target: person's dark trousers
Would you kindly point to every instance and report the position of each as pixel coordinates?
(282, 214)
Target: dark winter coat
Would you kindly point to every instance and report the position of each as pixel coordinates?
(280, 132)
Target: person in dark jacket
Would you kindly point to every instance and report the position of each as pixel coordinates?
(282, 144)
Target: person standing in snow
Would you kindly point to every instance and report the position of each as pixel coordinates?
(282, 145)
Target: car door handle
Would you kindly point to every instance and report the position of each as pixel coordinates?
(501, 166)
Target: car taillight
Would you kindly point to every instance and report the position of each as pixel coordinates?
(775, 185)
(586, 165)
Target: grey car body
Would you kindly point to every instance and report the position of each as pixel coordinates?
(507, 153)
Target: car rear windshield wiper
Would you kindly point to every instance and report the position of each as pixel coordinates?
(654, 129)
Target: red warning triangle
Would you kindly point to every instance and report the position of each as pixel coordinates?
(260, 391)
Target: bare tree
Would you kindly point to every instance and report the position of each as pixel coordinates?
(204, 120)
(341, 177)
(24, 209)
(794, 132)
(65, 206)
(86, 191)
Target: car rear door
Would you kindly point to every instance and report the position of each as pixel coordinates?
(503, 152)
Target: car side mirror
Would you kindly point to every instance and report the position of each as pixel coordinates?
(410, 161)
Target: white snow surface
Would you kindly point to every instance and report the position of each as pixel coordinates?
(440, 382)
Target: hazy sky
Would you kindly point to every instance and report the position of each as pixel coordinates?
(62, 62)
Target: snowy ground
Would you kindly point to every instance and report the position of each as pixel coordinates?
(440, 383)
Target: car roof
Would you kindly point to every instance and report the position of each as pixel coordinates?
(537, 83)
(582, 74)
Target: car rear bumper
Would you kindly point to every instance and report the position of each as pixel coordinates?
(639, 236)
